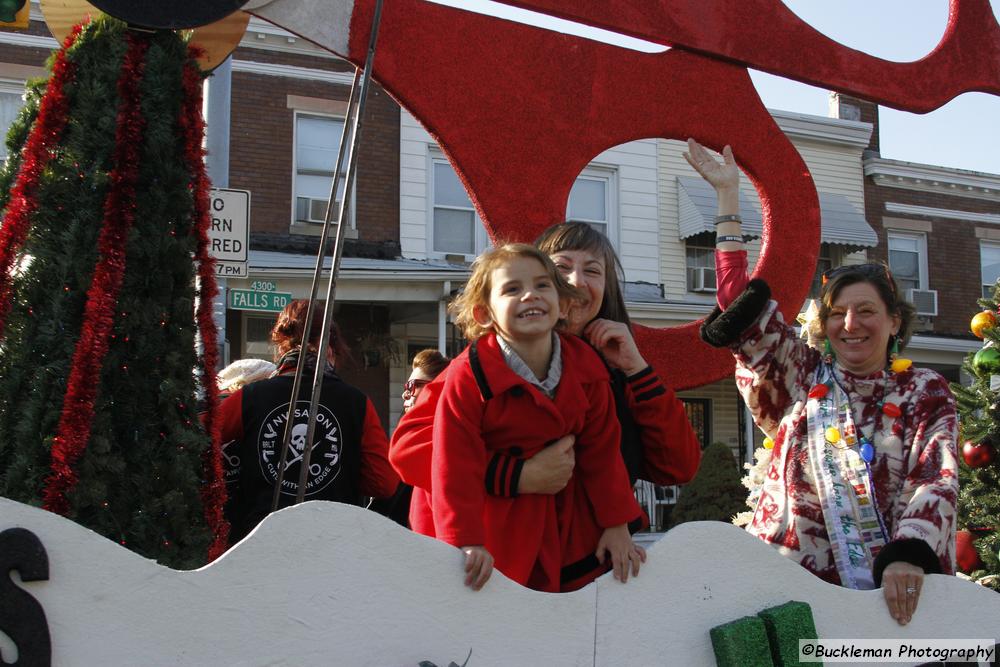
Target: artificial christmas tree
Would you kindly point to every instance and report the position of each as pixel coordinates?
(979, 476)
(103, 234)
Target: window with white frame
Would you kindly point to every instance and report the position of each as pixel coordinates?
(11, 101)
(908, 259)
(989, 260)
(593, 200)
(317, 141)
(823, 264)
(457, 229)
(700, 259)
(455, 226)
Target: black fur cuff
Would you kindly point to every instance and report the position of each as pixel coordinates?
(722, 328)
(911, 550)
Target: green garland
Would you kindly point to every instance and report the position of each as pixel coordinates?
(140, 475)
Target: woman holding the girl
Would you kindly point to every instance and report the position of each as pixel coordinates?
(656, 441)
(863, 479)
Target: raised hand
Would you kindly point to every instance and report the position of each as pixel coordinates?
(722, 176)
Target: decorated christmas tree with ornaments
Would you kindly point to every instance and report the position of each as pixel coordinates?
(105, 285)
(979, 412)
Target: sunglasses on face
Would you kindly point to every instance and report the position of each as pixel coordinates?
(411, 385)
(865, 270)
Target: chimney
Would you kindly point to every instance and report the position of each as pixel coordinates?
(848, 107)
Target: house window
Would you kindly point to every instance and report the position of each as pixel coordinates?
(823, 264)
(593, 199)
(257, 338)
(989, 259)
(699, 411)
(908, 259)
(457, 228)
(11, 101)
(700, 265)
(317, 141)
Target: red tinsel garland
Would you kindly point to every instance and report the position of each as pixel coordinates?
(38, 150)
(76, 419)
(192, 126)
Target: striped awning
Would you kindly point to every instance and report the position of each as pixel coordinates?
(696, 204)
(841, 221)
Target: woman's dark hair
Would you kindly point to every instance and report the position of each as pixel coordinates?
(287, 332)
(879, 277)
(430, 362)
(581, 236)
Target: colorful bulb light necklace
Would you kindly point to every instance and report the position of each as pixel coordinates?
(866, 449)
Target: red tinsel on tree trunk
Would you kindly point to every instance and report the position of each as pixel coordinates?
(99, 314)
(193, 127)
(38, 150)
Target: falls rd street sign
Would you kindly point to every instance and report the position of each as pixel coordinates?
(229, 233)
(268, 302)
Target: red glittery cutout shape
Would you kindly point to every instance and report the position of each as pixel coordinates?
(520, 111)
(767, 35)
(519, 131)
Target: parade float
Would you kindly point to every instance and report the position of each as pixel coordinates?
(111, 481)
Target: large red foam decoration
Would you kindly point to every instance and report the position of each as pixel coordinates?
(767, 35)
(519, 127)
(521, 111)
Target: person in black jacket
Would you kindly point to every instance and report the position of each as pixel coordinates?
(348, 460)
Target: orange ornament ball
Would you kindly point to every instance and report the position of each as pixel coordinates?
(981, 321)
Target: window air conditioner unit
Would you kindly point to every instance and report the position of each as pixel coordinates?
(316, 210)
(701, 279)
(925, 301)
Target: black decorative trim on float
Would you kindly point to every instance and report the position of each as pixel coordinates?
(21, 616)
(173, 15)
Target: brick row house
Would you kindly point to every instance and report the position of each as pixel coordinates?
(412, 230)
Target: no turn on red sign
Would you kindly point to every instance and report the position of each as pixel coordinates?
(229, 232)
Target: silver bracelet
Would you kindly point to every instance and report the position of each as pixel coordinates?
(724, 239)
(731, 217)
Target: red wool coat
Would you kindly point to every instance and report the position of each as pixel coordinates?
(525, 534)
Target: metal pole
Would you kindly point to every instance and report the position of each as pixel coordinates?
(217, 112)
(338, 249)
(307, 325)
(443, 318)
(324, 340)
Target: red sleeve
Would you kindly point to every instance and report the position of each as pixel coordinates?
(458, 462)
(230, 417)
(410, 448)
(599, 463)
(671, 451)
(730, 275)
(378, 479)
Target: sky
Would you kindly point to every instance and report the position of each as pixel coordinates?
(964, 133)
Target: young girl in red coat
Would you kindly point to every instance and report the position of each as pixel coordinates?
(516, 388)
